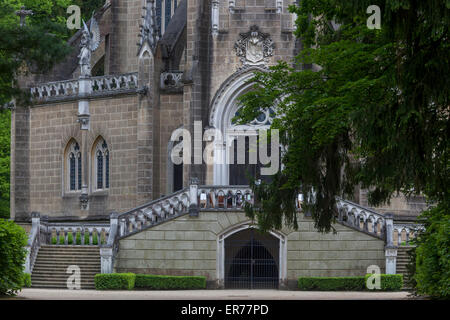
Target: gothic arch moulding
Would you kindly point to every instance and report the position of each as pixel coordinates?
(228, 92)
(220, 267)
(223, 108)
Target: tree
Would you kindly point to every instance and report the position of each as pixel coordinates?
(373, 111)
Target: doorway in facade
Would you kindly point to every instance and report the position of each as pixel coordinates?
(252, 260)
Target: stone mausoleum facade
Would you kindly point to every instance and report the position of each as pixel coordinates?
(93, 149)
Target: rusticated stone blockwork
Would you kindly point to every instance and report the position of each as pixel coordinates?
(190, 246)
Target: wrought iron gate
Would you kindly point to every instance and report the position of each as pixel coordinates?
(251, 260)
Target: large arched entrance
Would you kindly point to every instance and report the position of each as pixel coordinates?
(252, 260)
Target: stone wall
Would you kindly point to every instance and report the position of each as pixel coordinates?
(189, 246)
(53, 125)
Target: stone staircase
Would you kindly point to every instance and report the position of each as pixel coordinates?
(50, 268)
(402, 263)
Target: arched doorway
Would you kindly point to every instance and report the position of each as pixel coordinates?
(252, 260)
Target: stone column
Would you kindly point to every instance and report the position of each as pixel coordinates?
(390, 249)
(193, 192)
(83, 118)
(107, 251)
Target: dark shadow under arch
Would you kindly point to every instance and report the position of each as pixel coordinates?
(252, 260)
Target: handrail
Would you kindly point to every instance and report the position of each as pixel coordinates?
(33, 243)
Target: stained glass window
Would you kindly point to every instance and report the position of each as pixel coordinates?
(72, 171)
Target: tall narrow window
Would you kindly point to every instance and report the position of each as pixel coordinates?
(101, 158)
(72, 167)
(72, 171)
(107, 169)
(99, 170)
(167, 13)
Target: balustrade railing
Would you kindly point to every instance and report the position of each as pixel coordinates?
(223, 197)
(67, 88)
(153, 212)
(96, 85)
(171, 80)
(191, 200)
(113, 83)
(403, 234)
(77, 234)
(361, 218)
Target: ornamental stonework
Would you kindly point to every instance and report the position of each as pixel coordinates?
(254, 47)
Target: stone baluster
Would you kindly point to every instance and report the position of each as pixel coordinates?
(193, 192)
(122, 227)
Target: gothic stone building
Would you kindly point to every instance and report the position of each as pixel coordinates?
(91, 153)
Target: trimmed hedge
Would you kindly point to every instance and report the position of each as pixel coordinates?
(13, 240)
(389, 282)
(157, 282)
(114, 281)
(332, 283)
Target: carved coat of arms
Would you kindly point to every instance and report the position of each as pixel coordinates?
(254, 47)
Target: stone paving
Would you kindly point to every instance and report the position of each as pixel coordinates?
(64, 294)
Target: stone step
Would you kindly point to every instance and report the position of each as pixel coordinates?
(69, 247)
(63, 278)
(52, 261)
(61, 285)
(60, 268)
(73, 258)
(84, 253)
(64, 273)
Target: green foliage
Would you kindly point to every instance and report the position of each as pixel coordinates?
(95, 239)
(159, 282)
(432, 274)
(86, 238)
(411, 270)
(332, 283)
(115, 281)
(70, 238)
(389, 282)
(78, 238)
(62, 238)
(27, 280)
(5, 143)
(13, 239)
(375, 114)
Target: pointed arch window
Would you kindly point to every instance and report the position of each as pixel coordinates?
(101, 165)
(73, 166)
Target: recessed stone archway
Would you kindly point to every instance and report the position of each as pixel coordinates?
(265, 244)
(223, 108)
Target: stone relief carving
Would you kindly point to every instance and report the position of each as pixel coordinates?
(254, 47)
